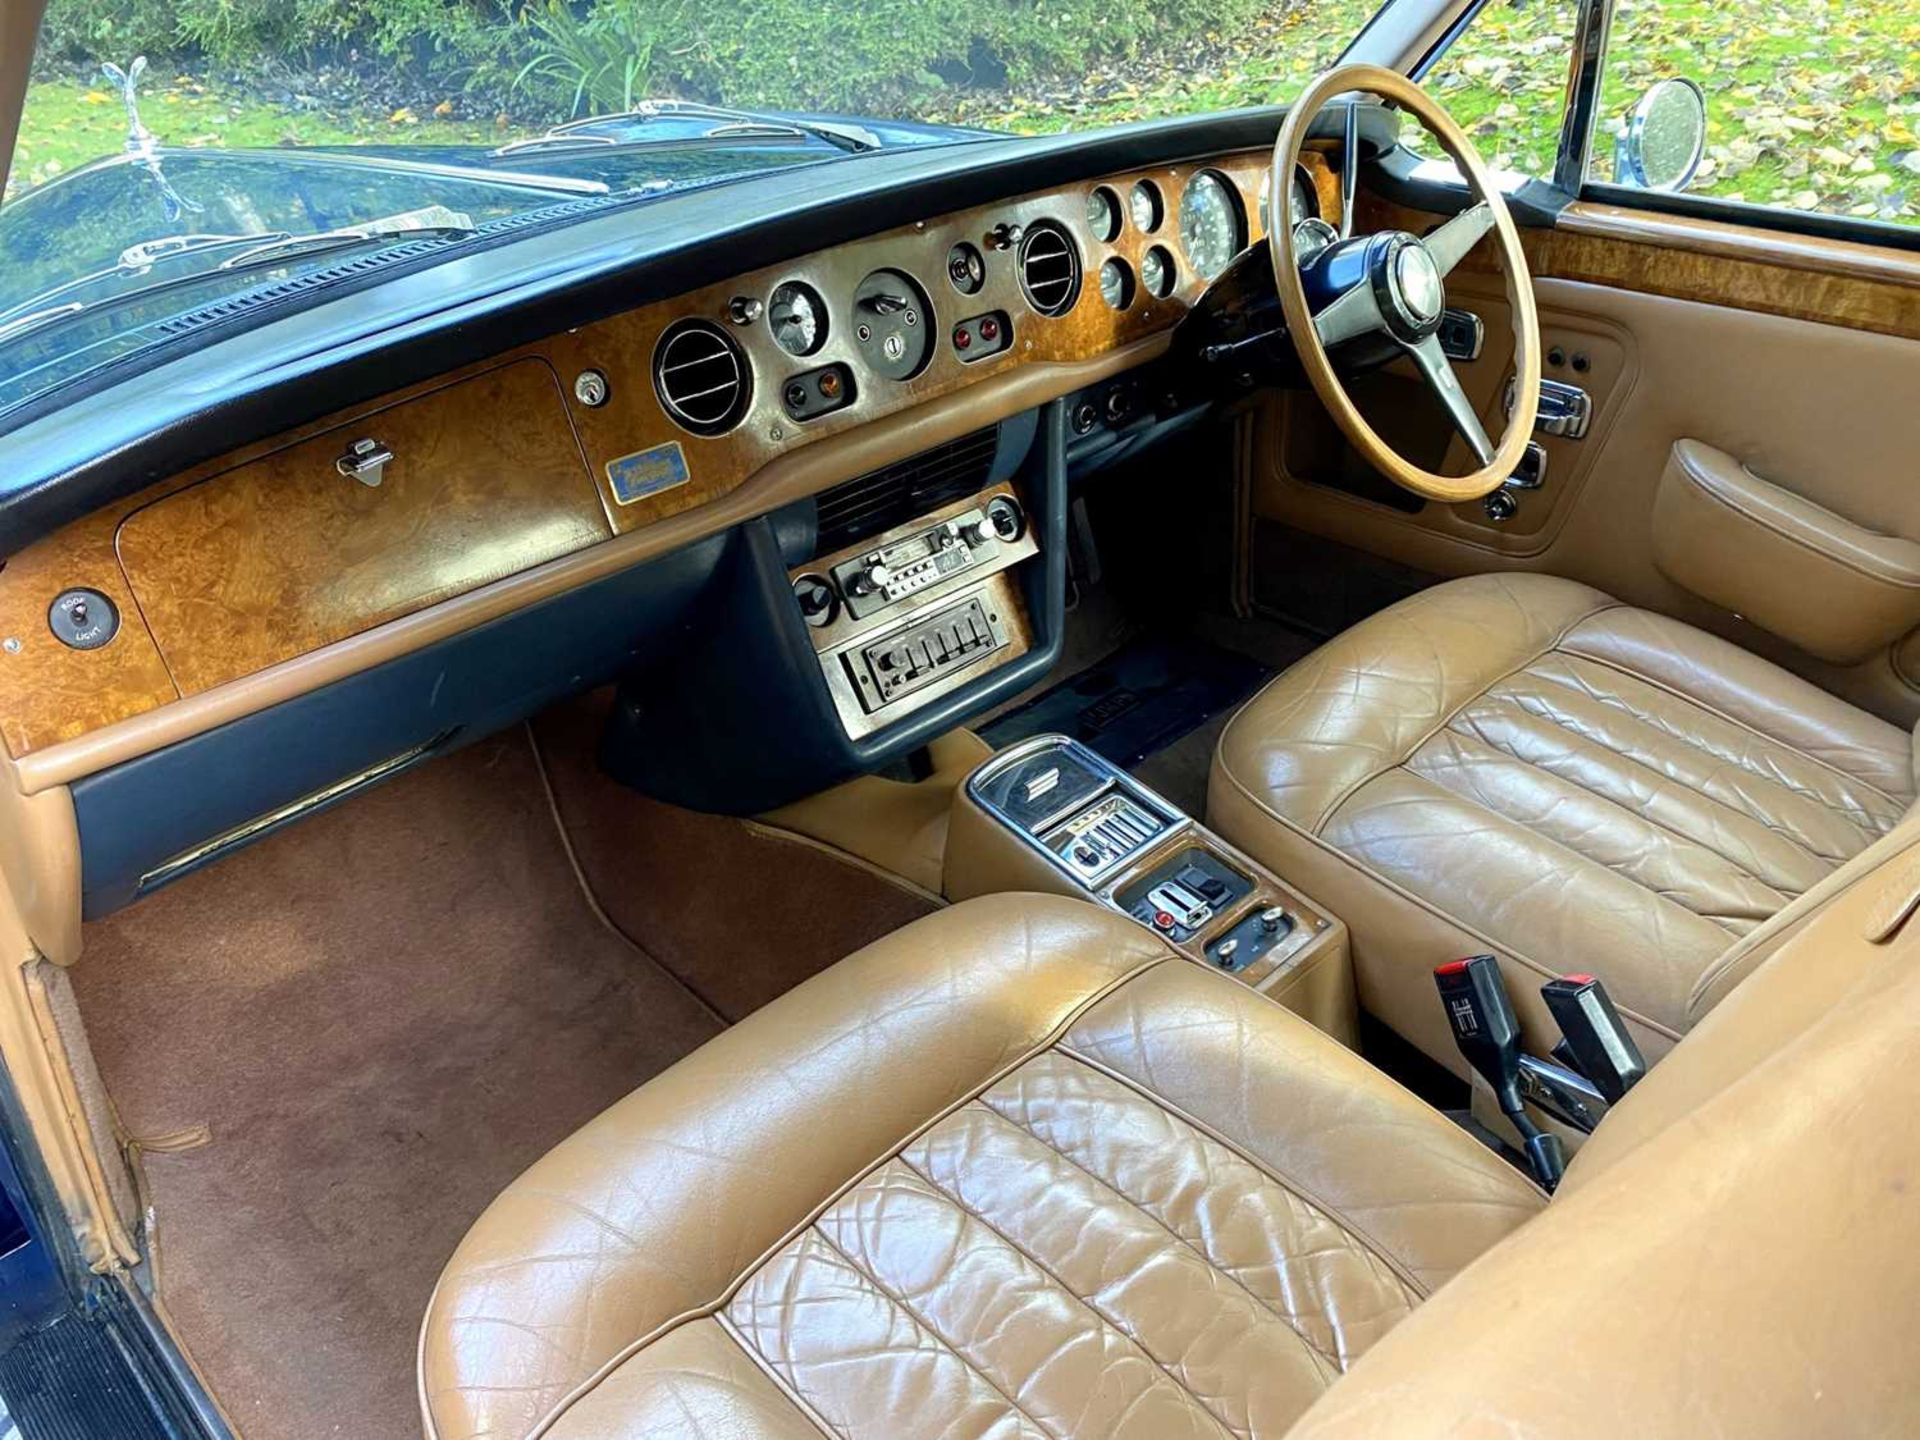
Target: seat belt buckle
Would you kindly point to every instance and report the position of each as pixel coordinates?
(1480, 1013)
(1597, 1039)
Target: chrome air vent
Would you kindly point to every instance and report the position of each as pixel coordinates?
(906, 490)
(1049, 268)
(702, 377)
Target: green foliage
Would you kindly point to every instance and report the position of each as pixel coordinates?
(86, 30)
(1814, 106)
(599, 62)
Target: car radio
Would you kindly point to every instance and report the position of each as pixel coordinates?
(870, 582)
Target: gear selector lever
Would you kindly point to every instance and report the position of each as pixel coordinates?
(1481, 1016)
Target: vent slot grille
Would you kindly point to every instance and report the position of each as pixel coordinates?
(1049, 269)
(855, 509)
(702, 377)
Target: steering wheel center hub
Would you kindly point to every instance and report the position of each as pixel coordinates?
(1417, 284)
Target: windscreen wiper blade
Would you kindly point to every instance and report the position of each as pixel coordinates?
(294, 247)
(271, 249)
(732, 124)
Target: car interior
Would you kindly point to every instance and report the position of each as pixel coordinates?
(1168, 781)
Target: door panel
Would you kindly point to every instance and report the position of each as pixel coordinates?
(1824, 411)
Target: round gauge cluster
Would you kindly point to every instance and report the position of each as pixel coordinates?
(1103, 214)
(1302, 202)
(1158, 273)
(1211, 228)
(892, 324)
(798, 318)
(1145, 206)
(1116, 283)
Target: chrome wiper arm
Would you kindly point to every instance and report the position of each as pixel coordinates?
(147, 252)
(438, 223)
(734, 125)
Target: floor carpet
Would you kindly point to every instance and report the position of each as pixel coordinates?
(386, 1012)
(738, 913)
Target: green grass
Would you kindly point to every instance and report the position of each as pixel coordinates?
(1814, 106)
(68, 122)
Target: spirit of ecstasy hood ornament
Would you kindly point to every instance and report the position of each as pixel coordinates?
(139, 142)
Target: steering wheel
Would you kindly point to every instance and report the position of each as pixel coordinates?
(1391, 284)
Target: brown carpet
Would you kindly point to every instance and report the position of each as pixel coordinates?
(384, 1014)
(738, 914)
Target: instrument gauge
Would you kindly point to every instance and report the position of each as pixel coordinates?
(1157, 272)
(1210, 227)
(1146, 207)
(798, 318)
(1303, 203)
(1310, 237)
(1116, 284)
(1103, 214)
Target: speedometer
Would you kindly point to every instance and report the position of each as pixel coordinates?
(1210, 227)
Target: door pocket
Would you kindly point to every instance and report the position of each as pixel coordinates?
(1837, 590)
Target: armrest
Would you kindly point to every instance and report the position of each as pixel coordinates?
(1816, 579)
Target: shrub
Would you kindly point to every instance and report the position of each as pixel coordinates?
(801, 54)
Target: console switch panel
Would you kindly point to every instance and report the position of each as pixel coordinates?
(915, 656)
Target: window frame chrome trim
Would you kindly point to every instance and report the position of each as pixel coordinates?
(1586, 66)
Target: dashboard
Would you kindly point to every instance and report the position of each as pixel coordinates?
(553, 450)
(804, 516)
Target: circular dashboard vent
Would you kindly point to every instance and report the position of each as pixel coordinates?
(1049, 268)
(702, 377)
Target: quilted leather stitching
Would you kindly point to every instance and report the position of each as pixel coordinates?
(998, 1309)
(815, 1275)
(1577, 819)
(1874, 820)
(1237, 1218)
(1468, 926)
(1735, 766)
(1445, 716)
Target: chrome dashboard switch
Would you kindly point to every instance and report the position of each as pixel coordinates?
(365, 461)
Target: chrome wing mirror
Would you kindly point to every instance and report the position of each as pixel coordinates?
(1659, 144)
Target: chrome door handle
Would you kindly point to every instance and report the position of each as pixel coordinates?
(1564, 410)
(1531, 472)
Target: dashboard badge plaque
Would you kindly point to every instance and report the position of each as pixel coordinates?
(647, 472)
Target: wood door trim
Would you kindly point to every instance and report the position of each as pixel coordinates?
(1743, 242)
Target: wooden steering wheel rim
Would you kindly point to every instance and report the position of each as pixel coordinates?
(1390, 85)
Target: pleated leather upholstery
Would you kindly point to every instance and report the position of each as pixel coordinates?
(1017, 1170)
(1520, 764)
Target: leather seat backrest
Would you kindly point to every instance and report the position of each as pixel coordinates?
(1737, 1250)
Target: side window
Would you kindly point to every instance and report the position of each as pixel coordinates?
(1504, 80)
(1814, 107)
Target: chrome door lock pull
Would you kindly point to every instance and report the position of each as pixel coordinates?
(365, 461)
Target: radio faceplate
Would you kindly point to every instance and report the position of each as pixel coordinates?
(871, 582)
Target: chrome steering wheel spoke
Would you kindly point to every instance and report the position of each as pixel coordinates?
(1349, 316)
(1450, 243)
(1433, 363)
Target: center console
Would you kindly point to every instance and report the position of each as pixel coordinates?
(1050, 814)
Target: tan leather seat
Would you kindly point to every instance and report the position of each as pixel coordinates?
(1016, 1170)
(1019, 1172)
(1521, 765)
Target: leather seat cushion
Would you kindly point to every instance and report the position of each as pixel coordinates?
(1521, 764)
(1018, 1169)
